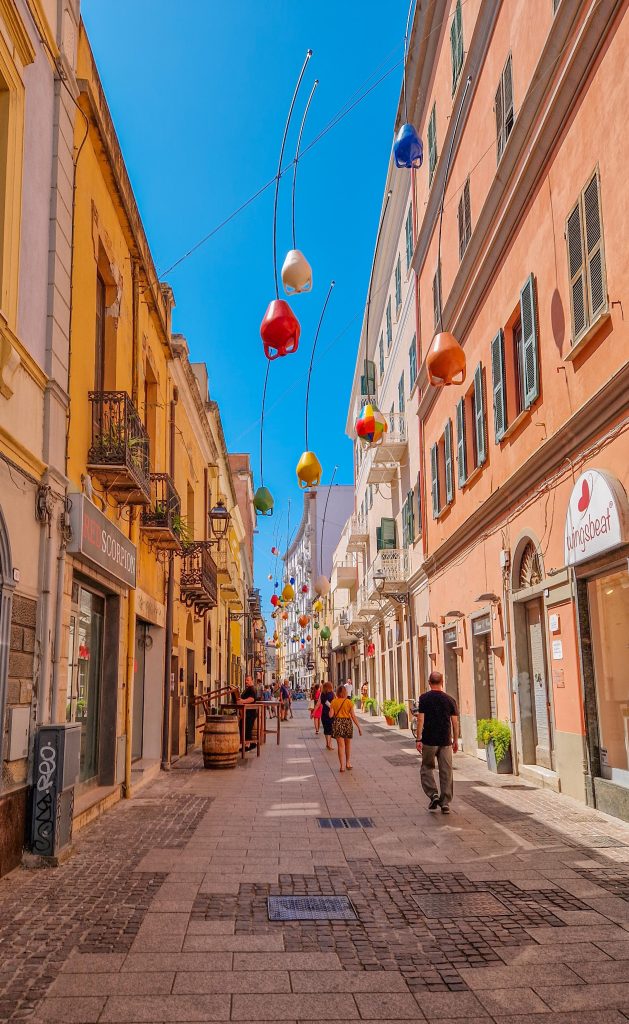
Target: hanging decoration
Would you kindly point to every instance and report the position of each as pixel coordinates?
(322, 586)
(325, 633)
(408, 150)
(308, 637)
(317, 606)
(309, 468)
(371, 650)
(371, 425)
(292, 581)
(263, 502)
(285, 615)
(303, 620)
(316, 625)
(288, 593)
(270, 576)
(304, 588)
(274, 551)
(297, 272)
(445, 362)
(275, 600)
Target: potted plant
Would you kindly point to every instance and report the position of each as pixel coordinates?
(371, 706)
(390, 710)
(496, 738)
(402, 718)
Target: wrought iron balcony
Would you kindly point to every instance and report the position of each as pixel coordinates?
(389, 572)
(394, 441)
(161, 521)
(197, 581)
(119, 452)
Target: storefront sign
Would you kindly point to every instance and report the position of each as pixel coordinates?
(557, 650)
(597, 518)
(97, 540)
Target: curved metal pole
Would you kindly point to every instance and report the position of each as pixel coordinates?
(373, 268)
(443, 194)
(279, 169)
(325, 512)
(314, 345)
(301, 131)
(408, 21)
(266, 380)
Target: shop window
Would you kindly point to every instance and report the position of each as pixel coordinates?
(456, 44)
(515, 363)
(608, 602)
(504, 107)
(471, 429)
(586, 260)
(432, 143)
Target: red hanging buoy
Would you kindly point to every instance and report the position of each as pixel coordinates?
(279, 330)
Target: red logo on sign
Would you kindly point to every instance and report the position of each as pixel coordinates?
(584, 500)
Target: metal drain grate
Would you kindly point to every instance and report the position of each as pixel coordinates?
(460, 904)
(345, 822)
(310, 908)
(404, 761)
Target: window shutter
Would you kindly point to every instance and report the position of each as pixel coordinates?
(398, 283)
(449, 474)
(411, 516)
(530, 367)
(370, 377)
(467, 213)
(507, 96)
(479, 406)
(499, 384)
(432, 142)
(434, 469)
(381, 354)
(412, 361)
(409, 237)
(401, 395)
(461, 226)
(387, 533)
(389, 324)
(454, 49)
(436, 296)
(378, 538)
(576, 270)
(419, 505)
(461, 451)
(499, 108)
(597, 292)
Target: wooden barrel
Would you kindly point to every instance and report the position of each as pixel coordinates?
(221, 741)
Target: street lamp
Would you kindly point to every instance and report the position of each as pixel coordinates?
(219, 519)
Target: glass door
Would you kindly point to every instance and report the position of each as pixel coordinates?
(84, 675)
(608, 598)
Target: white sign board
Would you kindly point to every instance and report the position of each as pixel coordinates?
(597, 517)
(557, 650)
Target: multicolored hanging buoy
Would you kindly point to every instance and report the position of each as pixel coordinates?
(263, 502)
(371, 425)
(408, 150)
(309, 470)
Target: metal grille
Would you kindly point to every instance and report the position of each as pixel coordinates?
(345, 822)
(310, 908)
(460, 904)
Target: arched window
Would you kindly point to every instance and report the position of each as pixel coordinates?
(531, 572)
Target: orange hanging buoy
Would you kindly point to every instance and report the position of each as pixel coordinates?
(445, 361)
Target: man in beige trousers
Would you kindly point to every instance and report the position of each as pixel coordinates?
(437, 739)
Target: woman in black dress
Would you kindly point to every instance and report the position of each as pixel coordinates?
(327, 695)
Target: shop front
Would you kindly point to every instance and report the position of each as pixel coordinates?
(597, 547)
(102, 569)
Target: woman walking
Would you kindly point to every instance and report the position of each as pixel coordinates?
(315, 714)
(344, 719)
(326, 698)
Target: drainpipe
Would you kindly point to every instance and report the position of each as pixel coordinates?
(170, 605)
(509, 667)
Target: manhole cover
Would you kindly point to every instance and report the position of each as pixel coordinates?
(460, 904)
(345, 822)
(310, 908)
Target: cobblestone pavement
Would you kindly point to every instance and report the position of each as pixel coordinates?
(514, 909)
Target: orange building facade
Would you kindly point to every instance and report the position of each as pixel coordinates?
(525, 512)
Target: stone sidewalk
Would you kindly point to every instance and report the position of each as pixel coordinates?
(514, 909)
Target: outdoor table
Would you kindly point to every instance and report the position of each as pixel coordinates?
(261, 723)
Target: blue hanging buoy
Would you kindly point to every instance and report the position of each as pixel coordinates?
(292, 581)
(408, 150)
(276, 584)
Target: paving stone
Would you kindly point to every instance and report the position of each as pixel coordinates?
(435, 1005)
(233, 981)
(571, 1017)
(153, 1009)
(85, 1010)
(235, 943)
(146, 983)
(314, 962)
(568, 953)
(611, 971)
(348, 981)
(139, 962)
(520, 976)
(394, 1005)
(578, 934)
(293, 1007)
(93, 963)
(586, 997)
(499, 1000)
(211, 928)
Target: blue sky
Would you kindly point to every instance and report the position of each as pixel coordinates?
(199, 101)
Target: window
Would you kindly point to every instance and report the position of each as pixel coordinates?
(368, 379)
(409, 237)
(586, 260)
(418, 493)
(448, 463)
(504, 107)
(412, 362)
(515, 363)
(432, 143)
(386, 537)
(442, 471)
(436, 296)
(99, 354)
(381, 356)
(471, 431)
(456, 44)
(398, 286)
(408, 520)
(389, 324)
(465, 219)
(434, 473)
(400, 395)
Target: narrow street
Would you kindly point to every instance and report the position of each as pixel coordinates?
(514, 907)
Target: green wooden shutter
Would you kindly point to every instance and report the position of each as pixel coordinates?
(456, 44)
(479, 410)
(368, 380)
(499, 109)
(530, 362)
(387, 533)
(461, 451)
(381, 354)
(398, 283)
(449, 473)
(576, 269)
(378, 538)
(434, 469)
(595, 267)
(436, 296)
(411, 516)
(419, 505)
(409, 237)
(499, 385)
(432, 142)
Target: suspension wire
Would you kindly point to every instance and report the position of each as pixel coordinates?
(312, 355)
(296, 160)
(443, 193)
(266, 381)
(325, 512)
(373, 267)
(408, 22)
(279, 169)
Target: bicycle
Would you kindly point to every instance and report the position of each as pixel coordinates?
(414, 713)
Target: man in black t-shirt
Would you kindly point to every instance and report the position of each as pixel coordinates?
(437, 738)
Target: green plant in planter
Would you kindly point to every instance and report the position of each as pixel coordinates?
(180, 529)
(356, 701)
(492, 729)
(370, 703)
(392, 708)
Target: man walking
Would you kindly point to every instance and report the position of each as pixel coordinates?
(437, 738)
(349, 689)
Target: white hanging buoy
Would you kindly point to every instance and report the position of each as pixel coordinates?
(296, 273)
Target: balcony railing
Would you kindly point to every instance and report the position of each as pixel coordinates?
(197, 581)
(358, 532)
(161, 521)
(394, 441)
(388, 571)
(119, 452)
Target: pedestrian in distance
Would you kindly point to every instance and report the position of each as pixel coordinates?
(364, 693)
(437, 740)
(284, 700)
(349, 689)
(326, 698)
(343, 722)
(315, 714)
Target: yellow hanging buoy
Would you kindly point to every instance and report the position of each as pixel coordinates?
(309, 470)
